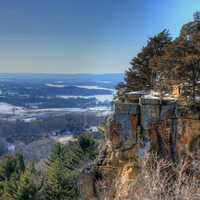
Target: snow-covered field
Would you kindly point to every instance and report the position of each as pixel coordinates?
(90, 87)
(6, 108)
(11, 112)
(29, 115)
(99, 97)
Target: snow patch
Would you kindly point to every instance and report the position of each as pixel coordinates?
(150, 97)
(6, 108)
(11, 148)
(94, 87)
(30, 119)
(92, 129)
(55, 85)
(99, 97)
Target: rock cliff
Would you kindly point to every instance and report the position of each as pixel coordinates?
(141, 123)
(137, 126)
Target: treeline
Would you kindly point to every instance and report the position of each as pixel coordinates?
(165, 62)
(53, 102)
(46, 91)
(58, 180)
(28, 132)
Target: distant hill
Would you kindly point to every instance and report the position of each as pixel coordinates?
(102, 79)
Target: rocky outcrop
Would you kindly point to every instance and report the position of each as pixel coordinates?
(133, 130)
(142, 123)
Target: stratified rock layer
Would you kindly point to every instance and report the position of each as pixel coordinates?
(133, 130)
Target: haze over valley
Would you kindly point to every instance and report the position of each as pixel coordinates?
(34, 107)
(100, 100)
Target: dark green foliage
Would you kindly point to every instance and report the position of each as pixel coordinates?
(57, 153)
(88, 146)
(60, 183)
(85, 142)
(11, 166)
(59, 178)
(22, 188)
(16, 179)
(63, 168)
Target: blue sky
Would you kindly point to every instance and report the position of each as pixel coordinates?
(83, 36)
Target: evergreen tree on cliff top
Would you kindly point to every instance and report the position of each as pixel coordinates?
(180, 64)
(141, 75)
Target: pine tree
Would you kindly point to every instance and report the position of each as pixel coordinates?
(21, 189)
(58, 152)
(141, 75)
(63, 168)
(60, 183)
(16, 179)
(180, 64)
(189, 72)
(26, 190)
(11, 166)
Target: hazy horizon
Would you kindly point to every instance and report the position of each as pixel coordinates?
(60, 73)
(91, 36)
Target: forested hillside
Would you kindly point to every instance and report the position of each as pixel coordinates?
(57, 180)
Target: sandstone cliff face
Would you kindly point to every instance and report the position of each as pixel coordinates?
(140, 124)
(133, 130)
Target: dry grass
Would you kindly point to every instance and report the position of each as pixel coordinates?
(163, 180)
(159, 179)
